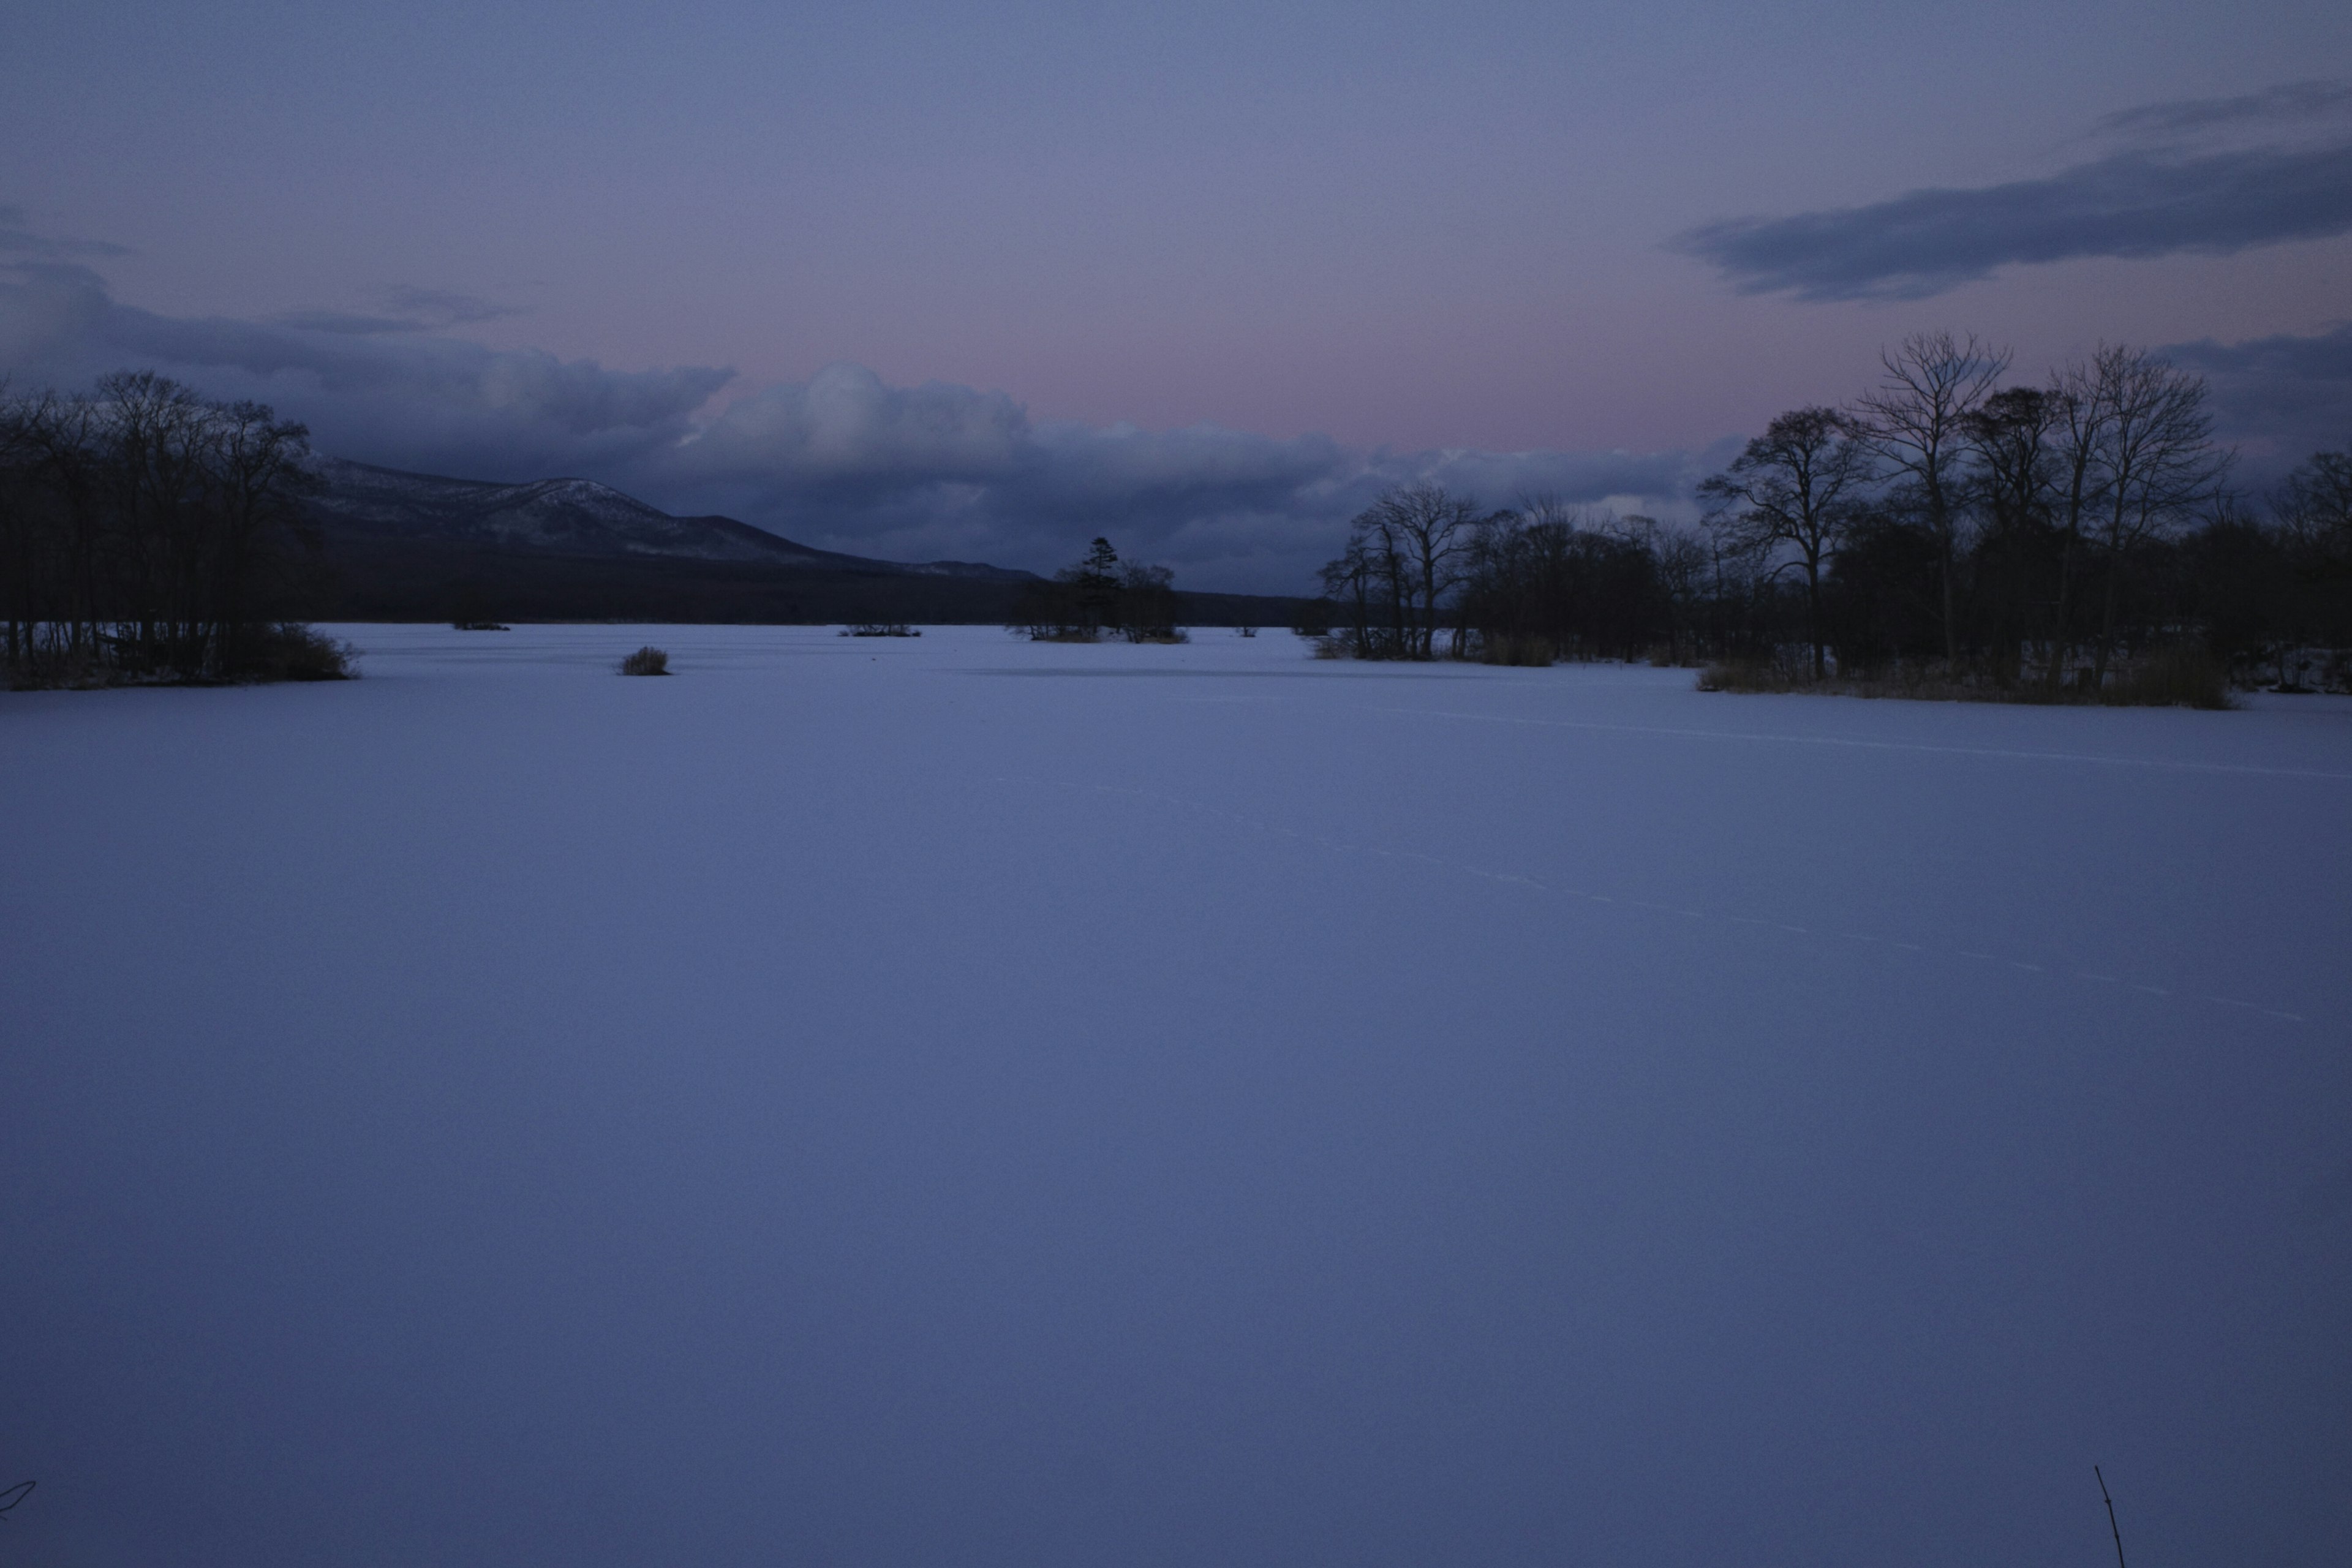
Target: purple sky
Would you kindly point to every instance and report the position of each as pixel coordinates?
(1199, 276)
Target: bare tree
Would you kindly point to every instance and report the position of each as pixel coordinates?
(153, 433)
(2016, 461)
(1682, 560)
(1369, 583)
(60, 533)
(1914, 422)
(2316, 502)
(1146, 603)
(1678, 558)
(257, 482)
(1793, 486)
(1429, 530)
(2077, 430)
(1405, 552)
(2012, 484)
(2155, 460)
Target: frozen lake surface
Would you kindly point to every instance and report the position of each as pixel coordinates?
(959, 1101)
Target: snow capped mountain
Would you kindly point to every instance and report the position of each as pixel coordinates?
(567, 517)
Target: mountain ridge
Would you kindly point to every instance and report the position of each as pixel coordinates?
(572, 517)
(401, 546)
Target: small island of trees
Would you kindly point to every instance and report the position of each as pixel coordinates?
(1099, 596)
(144, 530)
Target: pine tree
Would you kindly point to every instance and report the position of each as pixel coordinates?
(1097, 581)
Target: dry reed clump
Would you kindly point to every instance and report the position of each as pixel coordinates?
(646, 661)
(292, 651)
(2170, 677)
(65, 669)
(1501, 648)
(1737, 675)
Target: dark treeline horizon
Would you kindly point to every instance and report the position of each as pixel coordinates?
(142, 528)
(1947, 520)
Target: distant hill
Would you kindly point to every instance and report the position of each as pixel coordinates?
(403, 546)
(570, 517)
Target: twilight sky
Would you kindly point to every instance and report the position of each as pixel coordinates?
(921, 280)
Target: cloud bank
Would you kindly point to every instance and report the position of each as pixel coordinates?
(842, 461)
(940, 470)
(2279, 399)
(2209, 176)
(457, 405)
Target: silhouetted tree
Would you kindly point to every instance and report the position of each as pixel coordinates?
(1404, 556)
(2012, 484)
(1792, 492)
(1146, 603)
(2313, 510)
(1545, 580)
(1097, 581)
(1914, 423)
(2316, 501)
(2078, 427)
(2154, 457)
(1683, 559)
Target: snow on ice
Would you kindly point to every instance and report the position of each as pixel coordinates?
(956, 1101)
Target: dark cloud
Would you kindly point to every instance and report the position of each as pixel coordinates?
(843, 460)
(2273, 110)
(415, 398)
(2277, 399)
(2174, 191)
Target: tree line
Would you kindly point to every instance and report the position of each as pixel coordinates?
(1948, 519)
(143, 530)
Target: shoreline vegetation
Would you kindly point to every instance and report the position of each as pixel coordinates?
(2167, 678)
(1949, 534)
(144, 532)
(263, 654)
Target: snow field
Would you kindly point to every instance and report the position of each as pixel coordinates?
(959, 1101)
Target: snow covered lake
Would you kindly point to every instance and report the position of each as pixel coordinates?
(960, 1101)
